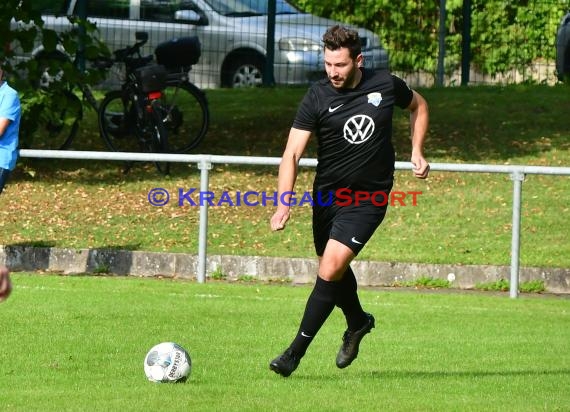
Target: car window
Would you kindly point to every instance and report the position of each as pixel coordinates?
(117, 9)
(261, 6)
(55, 7)
(240, 8)
(230, 8)
(164, 10)
(157, 10)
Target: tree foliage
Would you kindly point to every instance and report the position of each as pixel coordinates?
(505, 34)
(23, 33)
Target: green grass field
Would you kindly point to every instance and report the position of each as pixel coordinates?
(78, 344)
(461, 218)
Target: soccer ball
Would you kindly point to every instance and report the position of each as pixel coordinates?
(167, 362)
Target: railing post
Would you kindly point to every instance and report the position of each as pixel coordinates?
(204, 165)
(517, 177)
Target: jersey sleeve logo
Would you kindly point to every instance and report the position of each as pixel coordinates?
(375, 98)
(358, 129)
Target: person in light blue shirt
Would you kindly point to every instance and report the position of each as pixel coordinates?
(10, 113)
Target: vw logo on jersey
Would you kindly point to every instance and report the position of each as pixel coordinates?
(375, 98)
(358, 129)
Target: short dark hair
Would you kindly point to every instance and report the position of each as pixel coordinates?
(337, 37)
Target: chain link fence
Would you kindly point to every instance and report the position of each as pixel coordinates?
(253, 42)
(484, 43)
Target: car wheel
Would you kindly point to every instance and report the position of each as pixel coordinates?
(47, 74)
(246, 71)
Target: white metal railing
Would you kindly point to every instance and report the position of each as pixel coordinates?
(205, 161)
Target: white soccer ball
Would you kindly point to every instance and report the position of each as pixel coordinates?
(167, 362)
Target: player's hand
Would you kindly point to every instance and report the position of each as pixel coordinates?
(5, 284)
(279, 219)
(420, 167)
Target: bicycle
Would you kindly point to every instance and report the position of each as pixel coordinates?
(157, 109)
(53, 117)
(183, 106)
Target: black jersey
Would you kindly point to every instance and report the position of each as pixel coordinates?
(354, 130)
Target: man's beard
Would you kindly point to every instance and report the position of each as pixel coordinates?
(348, 81)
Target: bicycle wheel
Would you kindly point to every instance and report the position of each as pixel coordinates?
(186, 115)
(122, 131)
(117, 120)
(53, 128)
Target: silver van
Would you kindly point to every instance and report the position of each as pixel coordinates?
(232, 33)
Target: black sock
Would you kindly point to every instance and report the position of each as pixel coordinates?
(347, 300)
(319, 306)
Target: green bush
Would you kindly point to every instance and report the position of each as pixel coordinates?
(27, 37)
(505, 35)
(500, 285)
(426, 282)
(503, 285)
(534, 286)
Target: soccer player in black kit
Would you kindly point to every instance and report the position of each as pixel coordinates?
(350, 113)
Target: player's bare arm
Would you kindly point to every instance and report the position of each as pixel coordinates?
(4, 123)
(419, 121)
(296, 144)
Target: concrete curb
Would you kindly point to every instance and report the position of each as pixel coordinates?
(295, 270)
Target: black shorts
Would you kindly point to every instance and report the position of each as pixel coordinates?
(346, 220)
